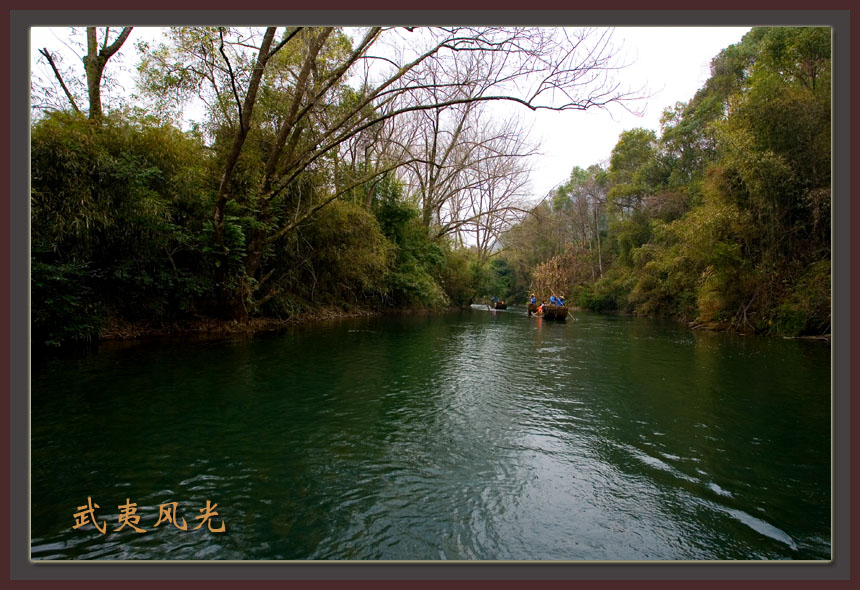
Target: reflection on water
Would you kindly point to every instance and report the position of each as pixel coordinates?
(482, 435)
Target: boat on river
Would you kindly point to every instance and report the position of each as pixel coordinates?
(500, 305)
(550, 312)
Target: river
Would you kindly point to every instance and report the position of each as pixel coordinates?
(474, 435)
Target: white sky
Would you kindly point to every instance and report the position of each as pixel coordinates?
(671, 63)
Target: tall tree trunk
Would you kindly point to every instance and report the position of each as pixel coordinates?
(257, 236)
(94, 65)
(234, 300)
(599, 251)
(245, 111)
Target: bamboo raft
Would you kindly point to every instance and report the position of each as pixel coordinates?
(550, 312)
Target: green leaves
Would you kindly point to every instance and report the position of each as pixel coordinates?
(116, 217)
(722, 219)
(63, 307)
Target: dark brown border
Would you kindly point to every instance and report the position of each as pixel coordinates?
(631, 13)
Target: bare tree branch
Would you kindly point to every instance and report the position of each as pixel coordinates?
(285, 40)
(114, 47)
(232, 77)
(49, 57)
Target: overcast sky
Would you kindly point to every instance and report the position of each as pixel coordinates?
(671, 63)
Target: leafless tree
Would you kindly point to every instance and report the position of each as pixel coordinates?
(583, 214)
(492, 187)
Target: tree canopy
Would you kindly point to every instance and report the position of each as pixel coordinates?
(364, 167)
(723, 219)
(354, 167)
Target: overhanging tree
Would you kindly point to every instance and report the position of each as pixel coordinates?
(536, 68)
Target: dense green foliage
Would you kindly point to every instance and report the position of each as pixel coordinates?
(121, 230)
(723, 219)
(116, 211)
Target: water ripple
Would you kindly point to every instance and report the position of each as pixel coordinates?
(482, 436)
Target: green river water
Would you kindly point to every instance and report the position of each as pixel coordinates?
(474, 435)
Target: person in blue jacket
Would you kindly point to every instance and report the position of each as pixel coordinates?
(561, 299)
(532, 300)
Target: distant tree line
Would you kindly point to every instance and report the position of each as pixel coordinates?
(721, 220)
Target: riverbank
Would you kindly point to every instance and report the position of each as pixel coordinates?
(121, 330)
(118, 330)
(725, 327)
